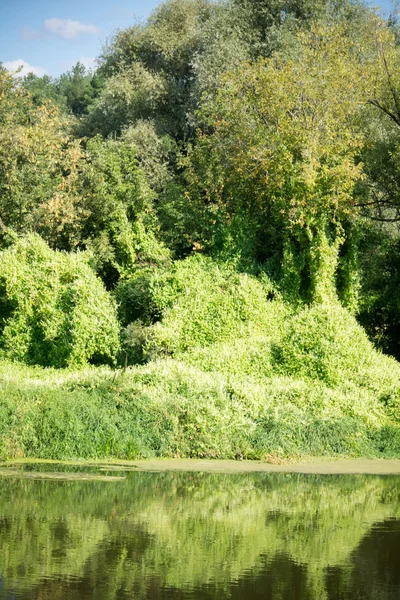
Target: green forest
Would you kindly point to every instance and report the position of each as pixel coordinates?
(200, 239)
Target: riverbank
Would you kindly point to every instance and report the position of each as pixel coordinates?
(316, 466)
(168, 409)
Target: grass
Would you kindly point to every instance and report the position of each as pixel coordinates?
(170, 409)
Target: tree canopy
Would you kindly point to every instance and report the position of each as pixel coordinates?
(262, 134)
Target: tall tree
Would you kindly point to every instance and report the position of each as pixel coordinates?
(282, 148)
(38, 158)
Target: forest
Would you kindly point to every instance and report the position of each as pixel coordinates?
(200, 239)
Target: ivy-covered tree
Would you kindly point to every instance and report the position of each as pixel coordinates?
(53, 310)
(117, 220)
(282, 152)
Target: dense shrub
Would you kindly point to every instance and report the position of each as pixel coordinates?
(134, 297)
(53, 309)
(221, 321)
(198, 303)
(325, 342)
(247, 377)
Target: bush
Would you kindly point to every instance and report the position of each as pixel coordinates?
(203, 303)
(247, 377)
(134, 297)
(53, 309)
(326, 343)
(196, 304)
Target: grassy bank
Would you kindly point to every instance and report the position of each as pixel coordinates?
(170, 409)
(229, 370)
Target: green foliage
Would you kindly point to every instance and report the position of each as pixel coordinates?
(170, 409)
(73, 91)
(105, 204)
(247, 376)
(204, 303)
(54, 311)
(283, 147)
(380, 300)
(38, 159)
(135, 297)
(153, 152)
(149, 70)
(126, 98)
(314, 382)
(160, 69)
(198, 303)
(242, 138)
(324, 342)
(42, 89)
(79, 87)
(133, 341)
(75, 195)
(117, 203)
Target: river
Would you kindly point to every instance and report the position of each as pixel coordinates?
(103, 532)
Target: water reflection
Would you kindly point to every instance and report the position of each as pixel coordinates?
(201, 536)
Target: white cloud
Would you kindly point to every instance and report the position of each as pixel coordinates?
(88, 61)
(27, 33)
(68, 29)
(26, 68)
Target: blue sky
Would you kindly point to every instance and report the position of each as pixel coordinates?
(50, 36)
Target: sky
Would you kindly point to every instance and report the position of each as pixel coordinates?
(50, 36)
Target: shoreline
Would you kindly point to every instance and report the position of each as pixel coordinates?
(317, 466)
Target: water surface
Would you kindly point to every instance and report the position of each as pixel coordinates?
(175, 535)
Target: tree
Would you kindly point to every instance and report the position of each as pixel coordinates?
(42, 89)
(381, 194)
(282, 147)
(158, 70)
(149, 70)
(79, 87)
(116, 204)
(38, 158)
(74, 91)
(75, 194)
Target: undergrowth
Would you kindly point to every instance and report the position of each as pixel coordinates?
(229, 371)
(168, 408)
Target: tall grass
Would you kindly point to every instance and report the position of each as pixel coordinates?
(169, 408)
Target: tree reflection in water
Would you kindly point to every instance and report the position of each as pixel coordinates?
(192, 535)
